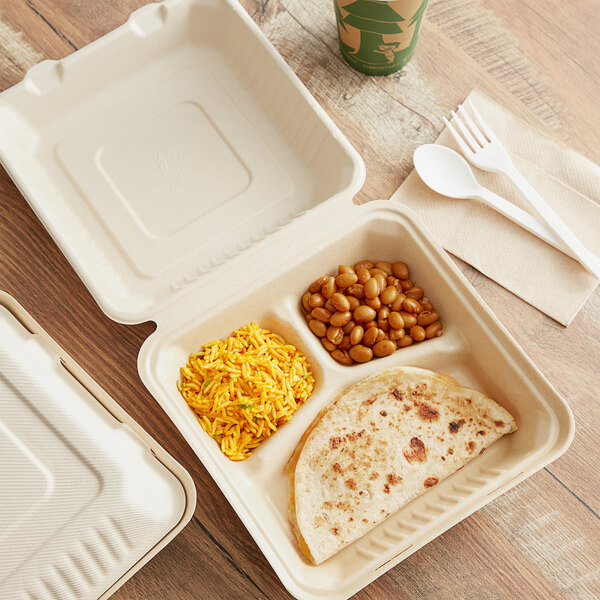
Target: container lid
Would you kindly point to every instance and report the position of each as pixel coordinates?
(84, 501)
(151, 172)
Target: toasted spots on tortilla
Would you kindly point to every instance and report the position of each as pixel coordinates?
(499, 423)
(471, 447)
(428, 413)
(417, 452)
(481, 432)
(335, 531)
(456, 425)
(381, 455)
(334, 442)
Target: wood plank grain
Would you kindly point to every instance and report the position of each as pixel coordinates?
(537, 541)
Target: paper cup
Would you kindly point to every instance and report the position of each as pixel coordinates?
(378, 37)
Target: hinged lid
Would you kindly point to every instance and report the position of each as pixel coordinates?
(152, 171)
(85, 498)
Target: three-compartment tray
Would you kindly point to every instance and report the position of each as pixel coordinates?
(199, 185)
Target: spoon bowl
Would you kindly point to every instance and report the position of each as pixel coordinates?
(445, 171)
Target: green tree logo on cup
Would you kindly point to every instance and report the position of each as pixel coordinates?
(378, 37)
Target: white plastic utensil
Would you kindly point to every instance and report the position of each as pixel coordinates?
(482, 148)
(447, 173)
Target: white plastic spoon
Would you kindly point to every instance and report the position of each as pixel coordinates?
(447, 173)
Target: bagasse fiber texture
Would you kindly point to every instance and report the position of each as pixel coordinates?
(245, 386)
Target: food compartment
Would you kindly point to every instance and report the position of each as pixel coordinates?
(474, 349)
(154, 171)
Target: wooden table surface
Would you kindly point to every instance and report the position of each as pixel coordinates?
(537, 57)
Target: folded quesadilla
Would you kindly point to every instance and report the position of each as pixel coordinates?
(380, 444)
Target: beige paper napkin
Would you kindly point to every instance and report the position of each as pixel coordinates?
(533, 270)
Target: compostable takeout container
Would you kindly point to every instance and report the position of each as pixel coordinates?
(198, 184)
(86, 496)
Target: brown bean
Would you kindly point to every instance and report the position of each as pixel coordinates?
(383, 312)
(381, 280)
(349, 326)
(406, 284)
(356, 290)
(391, 280)
(345, 343)
(330, 307)
(363, 263)
(397, 303)
(329, 288)
(370, 324)
(316, 285)
(386, 267)
(328, 345)
(346, 280)
(354, 303)
(360, 353)
(384, 348)
(340, 318)
(364, 314)
(305, 303)
(322, 314)
(370, 336)
(318, 327)
(417, 333)
(375, 271)
(427, 318)
(335, 335)
(395, 320)
(316, 300)
(373, 303)
(388, 295)
(412, 306)
(400, 270)
(404, 341)
(356, 335)
(383, 325)
(426, 304)
(371, 288)
(308, 316)
(345, 269)
(409, 319)
(381, 335)
(396, 334)
(434, 330)
(415, 292)
(342, 357)
(340, 302)
(363, 274)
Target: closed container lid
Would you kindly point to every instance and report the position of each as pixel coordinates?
(83, 500)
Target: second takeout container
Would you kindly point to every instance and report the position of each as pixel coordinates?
(198, 184)
(87, 497)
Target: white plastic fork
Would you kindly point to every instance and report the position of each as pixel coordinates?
(482, 148)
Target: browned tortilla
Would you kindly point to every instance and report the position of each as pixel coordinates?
(380, 444)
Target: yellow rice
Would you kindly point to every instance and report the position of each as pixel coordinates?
(244, 387)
